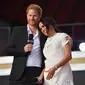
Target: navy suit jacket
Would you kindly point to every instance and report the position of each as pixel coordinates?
(15, 47)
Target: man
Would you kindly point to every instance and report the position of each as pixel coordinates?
(28, 58)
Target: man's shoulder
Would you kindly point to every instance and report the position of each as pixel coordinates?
(19, 27)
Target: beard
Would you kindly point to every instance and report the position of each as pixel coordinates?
(33, 22)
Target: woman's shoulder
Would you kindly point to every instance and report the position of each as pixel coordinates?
(62, 34)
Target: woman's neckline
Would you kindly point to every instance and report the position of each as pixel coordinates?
(52, 35)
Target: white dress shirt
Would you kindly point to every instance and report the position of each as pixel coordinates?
(35, 58)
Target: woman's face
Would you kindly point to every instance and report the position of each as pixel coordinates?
(43, 28)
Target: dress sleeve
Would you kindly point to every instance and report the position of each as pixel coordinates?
(64, 38)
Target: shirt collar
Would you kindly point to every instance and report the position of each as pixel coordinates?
(28, 29)
(30, 32)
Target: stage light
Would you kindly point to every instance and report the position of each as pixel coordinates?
(82, 46)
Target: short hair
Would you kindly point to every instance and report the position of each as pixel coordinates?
(35, 7)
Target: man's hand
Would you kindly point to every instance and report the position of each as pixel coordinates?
(28, 47)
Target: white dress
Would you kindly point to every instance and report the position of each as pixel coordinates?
(53, 51)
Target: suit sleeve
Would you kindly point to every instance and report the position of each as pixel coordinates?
(11, 49)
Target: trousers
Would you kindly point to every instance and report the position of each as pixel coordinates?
(28, 77)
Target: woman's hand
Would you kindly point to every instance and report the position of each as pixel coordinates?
(51, 73)
(40, 78)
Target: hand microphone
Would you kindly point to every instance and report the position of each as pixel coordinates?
(30, 39)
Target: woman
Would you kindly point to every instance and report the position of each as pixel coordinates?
(57, 51)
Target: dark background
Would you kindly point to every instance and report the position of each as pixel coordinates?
(12, 12)
(64, 11)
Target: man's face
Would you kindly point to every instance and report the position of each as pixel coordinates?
(33, 17)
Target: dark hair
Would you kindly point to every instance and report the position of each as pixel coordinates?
(47, 21)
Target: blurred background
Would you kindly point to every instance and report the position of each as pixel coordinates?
(70, 17)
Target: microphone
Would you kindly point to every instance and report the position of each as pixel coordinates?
(30, 39)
